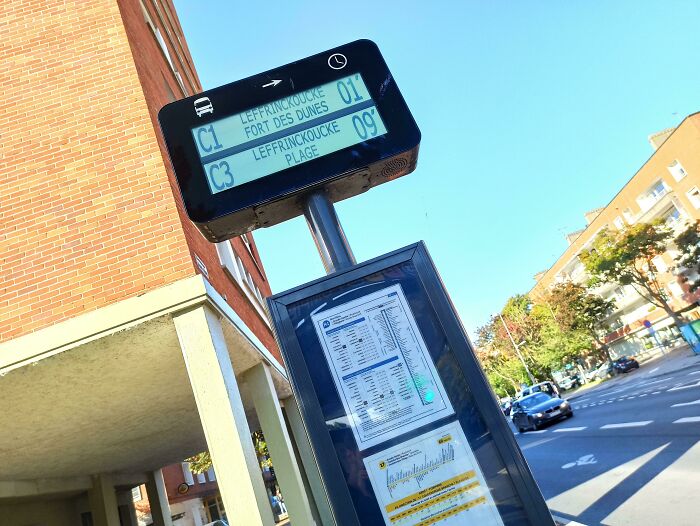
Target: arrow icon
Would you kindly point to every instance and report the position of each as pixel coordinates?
(271, 83)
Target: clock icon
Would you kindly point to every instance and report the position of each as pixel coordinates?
(337, 61)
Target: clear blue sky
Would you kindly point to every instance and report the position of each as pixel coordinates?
(531, 112)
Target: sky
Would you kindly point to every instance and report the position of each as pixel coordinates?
(531, 114)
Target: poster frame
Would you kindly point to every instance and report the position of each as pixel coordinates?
(319, 436)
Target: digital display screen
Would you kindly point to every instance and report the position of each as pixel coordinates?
(287, 132)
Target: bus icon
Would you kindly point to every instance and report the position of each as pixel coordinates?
(203, 105)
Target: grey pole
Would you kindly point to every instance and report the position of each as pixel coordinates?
(327, 232)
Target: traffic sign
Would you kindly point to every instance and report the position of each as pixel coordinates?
(246, 153)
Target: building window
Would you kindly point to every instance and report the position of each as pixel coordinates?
(677, 170)
(652, 195)
(675, 289)
(136, 494)
(619, 223)
(671, 216)
(235, 268)
(187, 474)
(660, 264)
(694, 196)
(628, 215)
(215, 509)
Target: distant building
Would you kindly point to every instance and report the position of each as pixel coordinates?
(666, 187)
(127, 341)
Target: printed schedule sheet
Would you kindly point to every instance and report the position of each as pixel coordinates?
(381, 367)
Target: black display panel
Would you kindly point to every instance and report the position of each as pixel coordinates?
(244, 154)
(403, 424)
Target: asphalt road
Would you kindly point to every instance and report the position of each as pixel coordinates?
(629, 456)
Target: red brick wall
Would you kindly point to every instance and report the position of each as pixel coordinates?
(89, 213)
(87, 216)
(159, 84)
(173, 477)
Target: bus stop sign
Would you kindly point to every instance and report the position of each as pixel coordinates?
(246, 153)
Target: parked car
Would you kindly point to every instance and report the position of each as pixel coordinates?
(568, 382)
(591, 373)
(537, 409)
(505, 407)
(543, 387)
(605, 371)
(625, 364)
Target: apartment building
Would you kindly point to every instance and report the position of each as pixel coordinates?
(666, 187)
(127, 342)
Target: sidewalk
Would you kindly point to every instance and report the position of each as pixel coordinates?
(652, 365)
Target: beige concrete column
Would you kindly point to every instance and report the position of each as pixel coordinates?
(308, 461)
(223, 417)
(158, 499)
(103, 501)
(279, 444)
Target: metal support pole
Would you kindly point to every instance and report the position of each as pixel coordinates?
(517, 350)
(327, 232)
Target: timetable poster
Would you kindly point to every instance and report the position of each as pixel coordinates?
(381, 367)
(431, 479)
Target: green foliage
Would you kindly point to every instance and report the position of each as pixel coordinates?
(688, 245)
(625, 258)
(201, 462)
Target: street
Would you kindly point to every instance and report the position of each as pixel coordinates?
(631, 453)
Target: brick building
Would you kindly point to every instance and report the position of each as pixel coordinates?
(666, 187)
(127, 342)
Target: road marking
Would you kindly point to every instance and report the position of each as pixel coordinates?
(620, 399)
(538, 443)
(582, 461)
(609, 401)
(694, 372)
(686, 403)
(584, 400)
(567, 429)
(687, 420)
(627, 424)
(642, 395)
(537, 432)
(656, 392)
(630, 397)
(659, 381)
(653, 370)
(681, 387)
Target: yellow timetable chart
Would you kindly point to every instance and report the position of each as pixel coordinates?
(432, 479)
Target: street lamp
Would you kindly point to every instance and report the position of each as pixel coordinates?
(516, 346)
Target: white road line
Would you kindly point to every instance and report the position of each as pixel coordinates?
(659, 381)
(681, 387)
(656, 392)
(620, 399)
(609, 401)
(686, 403)
(567, 429)
(642, 395)
(694, 372)
(653, 370)
(627, 424)
(537, 432)
(687, 420)
(630, 397)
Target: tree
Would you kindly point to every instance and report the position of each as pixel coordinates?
(201, 462)
(625, 258)
(578, 310)
(688, 259)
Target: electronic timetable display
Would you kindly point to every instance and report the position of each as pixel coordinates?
(245, 154)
